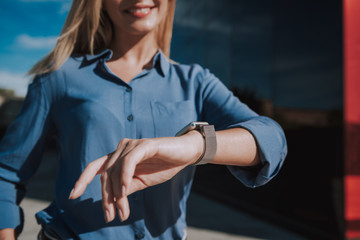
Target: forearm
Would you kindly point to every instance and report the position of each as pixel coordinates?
(235, 147)
(7, 234)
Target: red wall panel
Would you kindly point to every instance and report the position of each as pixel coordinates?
(352, 117)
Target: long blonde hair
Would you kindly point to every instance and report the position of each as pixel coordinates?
(88, 30)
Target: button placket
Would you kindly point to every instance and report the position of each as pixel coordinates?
(130, 117)
(128, 94)
(139, 235)
(137, 202)
(128, 112)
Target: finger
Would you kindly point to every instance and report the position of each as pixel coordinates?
(135, 185)
(123, 208)
(152, 176)
(115, 172)
(91, 170)
(118, 189)
(114, 156)
(128, 167)
(122, 175)
(107, 197)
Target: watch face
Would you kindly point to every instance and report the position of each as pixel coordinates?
(191, 126)
(198, 124)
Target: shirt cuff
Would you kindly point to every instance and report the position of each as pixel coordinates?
(11, 216)
(272, 148)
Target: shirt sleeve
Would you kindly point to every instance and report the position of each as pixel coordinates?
(20, 153)
(222, 109)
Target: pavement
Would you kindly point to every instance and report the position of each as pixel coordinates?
(207, 219)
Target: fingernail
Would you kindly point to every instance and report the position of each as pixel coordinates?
(76, 191)
(121, 215)
(71, 193)
(107, 216)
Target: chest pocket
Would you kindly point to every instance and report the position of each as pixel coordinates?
(170, 117)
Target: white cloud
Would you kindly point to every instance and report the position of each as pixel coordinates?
(26, 41)
(15, 81)
(65, 7)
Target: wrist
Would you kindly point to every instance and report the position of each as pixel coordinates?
(209, 140)
(195, 141)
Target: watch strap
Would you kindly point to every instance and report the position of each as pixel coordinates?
(210, 144)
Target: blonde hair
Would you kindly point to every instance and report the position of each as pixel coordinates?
(88, 30)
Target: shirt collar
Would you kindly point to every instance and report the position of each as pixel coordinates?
(105, 54)
(160, 61)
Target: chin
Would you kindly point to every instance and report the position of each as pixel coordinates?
(142, 28)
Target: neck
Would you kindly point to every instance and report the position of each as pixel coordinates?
(134, 49)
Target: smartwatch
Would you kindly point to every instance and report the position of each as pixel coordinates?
(209, 136)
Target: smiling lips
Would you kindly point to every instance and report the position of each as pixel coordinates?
(140, 11)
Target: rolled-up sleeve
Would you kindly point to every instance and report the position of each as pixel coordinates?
(20, 153)
(222, 109)
(272, 148)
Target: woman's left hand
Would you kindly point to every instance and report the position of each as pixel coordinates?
(138, 164)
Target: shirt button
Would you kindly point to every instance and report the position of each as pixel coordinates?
(130, 117)
(139, 235)
(128, 89)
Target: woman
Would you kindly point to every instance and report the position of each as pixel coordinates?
(109, 85)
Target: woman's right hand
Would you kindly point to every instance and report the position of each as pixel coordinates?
(138, 164)
(7, 234)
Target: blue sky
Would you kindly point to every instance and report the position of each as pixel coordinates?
(28, 31)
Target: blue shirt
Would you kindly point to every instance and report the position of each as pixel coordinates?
(90, 110)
